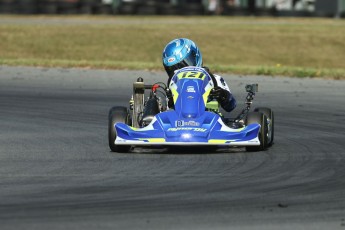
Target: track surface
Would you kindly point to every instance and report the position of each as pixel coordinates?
(56, 170)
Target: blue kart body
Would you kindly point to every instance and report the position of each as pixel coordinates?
(189, 123)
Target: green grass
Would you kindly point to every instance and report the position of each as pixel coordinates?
(268, 46)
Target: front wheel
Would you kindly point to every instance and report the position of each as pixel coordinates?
(117, 114)
(270, 121)
(261, 119)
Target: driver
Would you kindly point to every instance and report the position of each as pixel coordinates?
(184, 52)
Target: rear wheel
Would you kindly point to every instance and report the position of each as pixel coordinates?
(269, 114)
(261, 119)
(117, 114)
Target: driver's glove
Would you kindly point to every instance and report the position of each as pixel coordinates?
(220, 94)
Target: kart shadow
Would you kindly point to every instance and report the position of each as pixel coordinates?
(188, 150)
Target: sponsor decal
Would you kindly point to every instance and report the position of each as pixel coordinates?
(186, 123)
(190, 89)
(186, 135)
(172, 59)
(187, 129)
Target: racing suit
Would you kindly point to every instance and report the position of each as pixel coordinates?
(225, 97)
(221, 93)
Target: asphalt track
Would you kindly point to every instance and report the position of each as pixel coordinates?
(56, 170)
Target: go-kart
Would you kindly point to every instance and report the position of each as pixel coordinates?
(194, 119)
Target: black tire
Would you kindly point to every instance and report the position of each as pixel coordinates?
(270, 115)
(117, 114)
(258, 118)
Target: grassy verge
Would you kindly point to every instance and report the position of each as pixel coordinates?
(267, 46)
(338, 74)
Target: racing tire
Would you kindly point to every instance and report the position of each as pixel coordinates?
(261, 119)
(270, 115)
(117, 114)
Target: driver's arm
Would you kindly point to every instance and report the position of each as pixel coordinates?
(223, 94)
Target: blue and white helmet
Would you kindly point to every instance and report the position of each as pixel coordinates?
(180, 53)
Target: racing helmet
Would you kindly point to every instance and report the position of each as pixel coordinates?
(180, 53)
